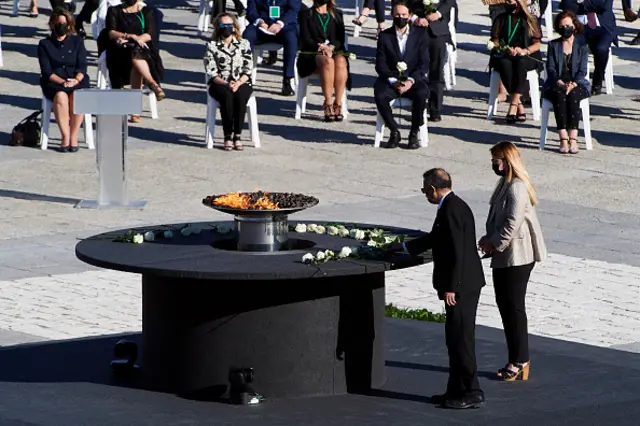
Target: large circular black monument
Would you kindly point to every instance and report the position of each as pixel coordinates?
(214, 302)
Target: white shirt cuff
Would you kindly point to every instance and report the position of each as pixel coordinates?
(413, 18)
(411, 80)
(404, 247)
(392, 80)
(280, 23)
(439, 14)
(258, 22)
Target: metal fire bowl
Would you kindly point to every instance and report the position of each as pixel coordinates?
(260, 213)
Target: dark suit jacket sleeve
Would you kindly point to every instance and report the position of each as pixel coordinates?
(45, 64)
(444, 7)
(289, 13)
(381, 59)
(453, 223)
(596, 6)
(81, 58)
(581, 75)
(573, 6)
(552, 65)
(419, 245)
(252, 12)
(421, 72)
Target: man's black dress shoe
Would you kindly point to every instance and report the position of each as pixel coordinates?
(596, 90)
(287, 88)
(469, 401)
(434, 118)
(414, 142)
(439, 399)
(394, 139)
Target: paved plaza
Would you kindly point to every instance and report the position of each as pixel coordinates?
(587, 291)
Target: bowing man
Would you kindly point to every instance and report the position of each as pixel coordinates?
(276, 21)
(436, 24)
(402, 64)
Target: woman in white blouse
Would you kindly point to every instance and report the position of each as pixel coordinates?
(228, 63)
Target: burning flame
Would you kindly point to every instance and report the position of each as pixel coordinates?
(236, 200)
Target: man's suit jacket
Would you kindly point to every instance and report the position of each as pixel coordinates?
(259, 9)
(602, 8)
(513, 227)
(416, 55)
(456, 264)
(438, 28)
(579, 63)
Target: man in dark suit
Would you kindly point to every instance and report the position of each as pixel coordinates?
(436, 25)
(279, 18)
(599, 31)
(458, 279)
(400, 47)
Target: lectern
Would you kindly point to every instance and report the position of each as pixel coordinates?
(111, 107)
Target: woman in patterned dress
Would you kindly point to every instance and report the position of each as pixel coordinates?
(228, 63)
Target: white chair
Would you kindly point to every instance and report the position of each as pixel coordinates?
(16, 8)
(102, 83)
(534, 92)
(258, 50)
(47, 106)
(548, 20)
(401, 103)
(357, 28)
(252, 113)
(547, 106)
(608, 74)
(452, 54)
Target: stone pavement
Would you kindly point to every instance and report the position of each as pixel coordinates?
(587, 291)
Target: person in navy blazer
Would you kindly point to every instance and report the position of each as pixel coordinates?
(402, 46)
(567, 84)
(279, 17)
(600, 33)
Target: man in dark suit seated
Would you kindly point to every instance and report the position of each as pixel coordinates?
(402, 64)
(276, 21)
(458, 278)
(600, 32)
(436, 25)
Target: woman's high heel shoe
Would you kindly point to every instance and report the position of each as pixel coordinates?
(563, 146)
(509, 375)
(337, 112)
(573, 146)
(158, 91)
(360, 20)
(511, 118)
(328, 113)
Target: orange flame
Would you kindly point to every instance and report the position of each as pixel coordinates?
(236, 200)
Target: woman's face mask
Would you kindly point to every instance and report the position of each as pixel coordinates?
(226, 30)
(61, 29)
(566, 31)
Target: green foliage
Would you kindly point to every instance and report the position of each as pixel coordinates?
(413, 314)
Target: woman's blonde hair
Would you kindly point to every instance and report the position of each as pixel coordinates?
(532, 20)
(216, 26)
(513, 168)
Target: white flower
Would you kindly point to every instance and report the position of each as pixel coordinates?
(308, 258)
(332, 230)
(343, 232)
(312, 227)
(321, 229)
(388, 240)
(301, 227)
(353, 233)
(490, 45)
(320, 256)
(401, 66)
(149, 236)
(372, 243)
(186, 231)
(167, 234)
(329, 253)
(427, 2)
(344, 253)
(352, 56)
(138, 239)
(359, 235)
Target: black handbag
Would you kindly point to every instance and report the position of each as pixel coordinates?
(27, 132)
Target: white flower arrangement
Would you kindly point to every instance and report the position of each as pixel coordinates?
(321, 229)
(345, 252)
(401, 66)
(312, 227)
(137, 239)
(301, 228)
(332, 230)
(343, 232)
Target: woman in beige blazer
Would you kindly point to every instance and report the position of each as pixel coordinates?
(514, 242)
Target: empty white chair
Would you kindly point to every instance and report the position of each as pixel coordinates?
(401, 103)
(534, 93)
(103, 83)
(252, 114)
(547, 106)
(258, 50)
(47, 106)
(548, 20)
(452, 54)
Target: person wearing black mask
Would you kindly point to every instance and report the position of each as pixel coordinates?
(63, 70)
(436, 24)
(228, 63)
(323, 52)
(514, 243)
(567, 84)
(402, 64)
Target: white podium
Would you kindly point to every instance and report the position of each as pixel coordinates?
(111, 107)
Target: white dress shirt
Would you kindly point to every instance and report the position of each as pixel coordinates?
(402, 44)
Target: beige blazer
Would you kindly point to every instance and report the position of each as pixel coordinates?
(513, 227)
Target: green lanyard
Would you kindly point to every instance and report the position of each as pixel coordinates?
(325, 24)
(140, 17)
(510, 33)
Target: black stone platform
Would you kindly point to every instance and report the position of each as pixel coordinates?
(69, 383)
(207, 310)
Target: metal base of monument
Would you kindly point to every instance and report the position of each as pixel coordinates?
(96, 205)
(301, 337)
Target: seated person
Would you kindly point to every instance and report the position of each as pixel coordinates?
(63, 70)
(402, 47)
(228, 63)
(517, 30)
(132, 50)
(322, 30)
(600, 32)
(379, 6)
(276, 21)
(567, 83)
